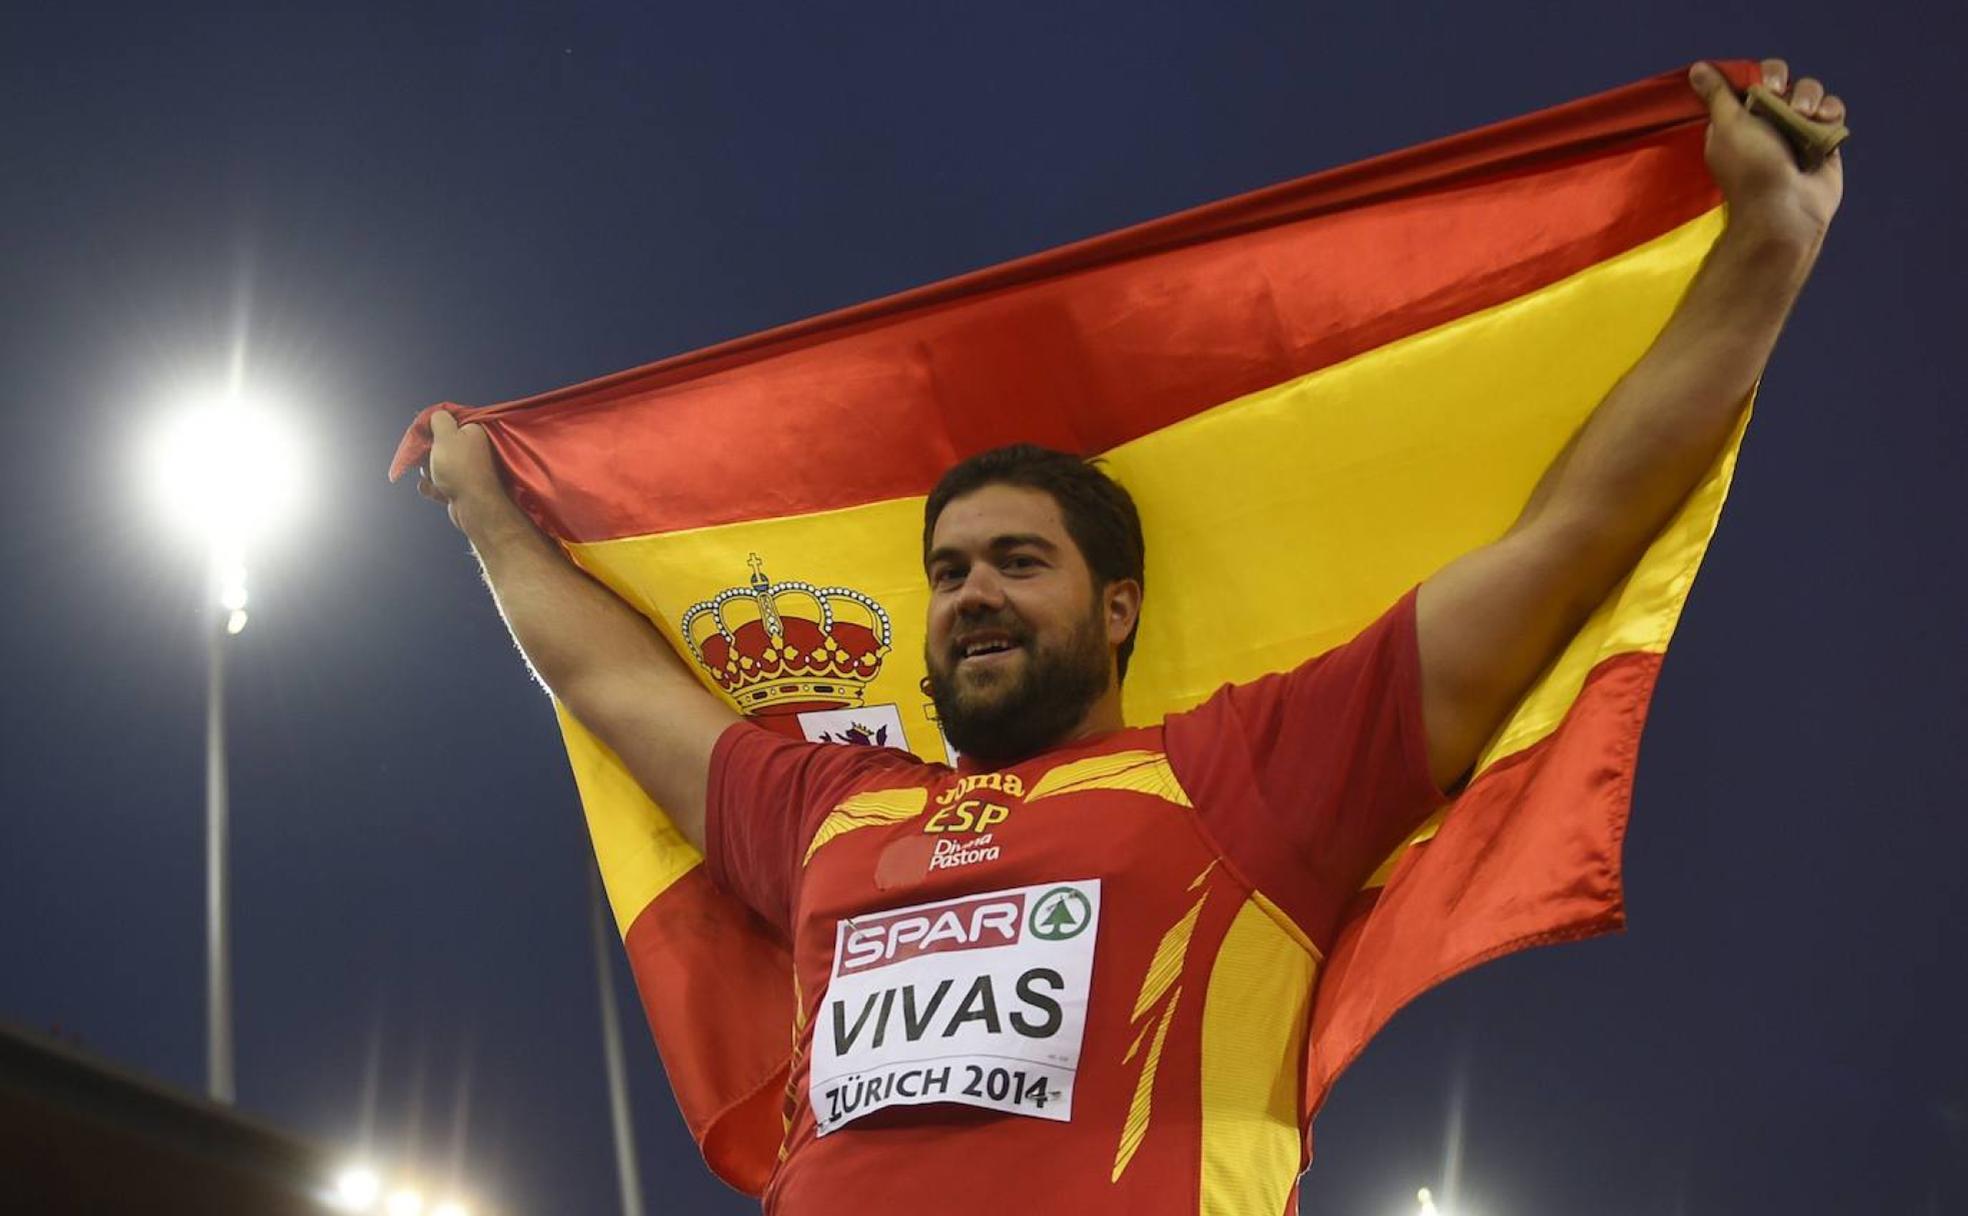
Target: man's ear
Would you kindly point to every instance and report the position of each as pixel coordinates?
(1120, 609)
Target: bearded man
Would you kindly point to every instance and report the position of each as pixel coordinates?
(1163, 893)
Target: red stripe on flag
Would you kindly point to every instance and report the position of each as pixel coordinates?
(1504, 873)
(1091, 345)
(717, 988)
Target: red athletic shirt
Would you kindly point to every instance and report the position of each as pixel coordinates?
(1080, 983)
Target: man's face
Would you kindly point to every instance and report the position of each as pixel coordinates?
(1019, 643)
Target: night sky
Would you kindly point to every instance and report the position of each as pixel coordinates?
(399, 204)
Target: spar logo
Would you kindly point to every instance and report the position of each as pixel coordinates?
(1059, 914)
(969, 924)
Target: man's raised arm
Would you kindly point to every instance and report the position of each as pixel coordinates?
(1490, 621)
(603, 660)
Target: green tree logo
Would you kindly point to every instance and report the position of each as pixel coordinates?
(1059, 914)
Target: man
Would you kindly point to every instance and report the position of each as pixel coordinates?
(1073, 971)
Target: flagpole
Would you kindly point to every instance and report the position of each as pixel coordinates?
(611, 1047)
(218, 967)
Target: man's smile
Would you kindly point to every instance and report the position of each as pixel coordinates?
(989, 660)
(982, 649)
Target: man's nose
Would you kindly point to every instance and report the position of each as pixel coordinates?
(982, 591)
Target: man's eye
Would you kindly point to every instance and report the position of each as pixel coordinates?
(945, 576)
(1021, 561)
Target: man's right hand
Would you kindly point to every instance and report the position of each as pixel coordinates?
(600, 657)
(462, 468)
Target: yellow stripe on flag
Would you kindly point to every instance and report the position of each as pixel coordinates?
(1639, 615)
(1339, 490)
(1333, 493)
(639, 851)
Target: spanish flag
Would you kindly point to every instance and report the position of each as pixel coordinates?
(1319, 393)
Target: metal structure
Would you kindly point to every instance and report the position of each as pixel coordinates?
(218, 929)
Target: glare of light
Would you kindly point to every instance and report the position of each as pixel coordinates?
(405, 1202)
(450, 1207)
(227, 468)
(237, 621)
(1427, 1202)
(356, 1189)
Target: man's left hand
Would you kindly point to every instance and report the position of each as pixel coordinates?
(1754, 165)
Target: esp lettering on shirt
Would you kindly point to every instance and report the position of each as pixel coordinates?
(956, 811)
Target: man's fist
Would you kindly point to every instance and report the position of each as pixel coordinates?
(1755, 167)
(462, 469)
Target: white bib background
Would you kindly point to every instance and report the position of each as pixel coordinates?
(980, 1000)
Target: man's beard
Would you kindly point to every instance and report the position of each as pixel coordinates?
(1018, 715)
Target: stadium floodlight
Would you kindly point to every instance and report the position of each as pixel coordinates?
(356, 1189)
(450, 1207)
(227, 470)
(406, 1201)
(1427, 1201)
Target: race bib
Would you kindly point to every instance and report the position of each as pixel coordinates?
(980, 1000)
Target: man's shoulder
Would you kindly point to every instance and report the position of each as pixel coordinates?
(1112, 760)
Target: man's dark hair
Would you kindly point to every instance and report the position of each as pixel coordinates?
(1099, 514)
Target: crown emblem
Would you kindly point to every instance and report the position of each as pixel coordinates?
(789, 647)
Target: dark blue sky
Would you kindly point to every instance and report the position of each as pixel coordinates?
(422, 202)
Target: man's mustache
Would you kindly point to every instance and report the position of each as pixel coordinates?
(1007, 623)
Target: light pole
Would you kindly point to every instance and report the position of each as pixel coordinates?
(218, 956)
(227, 470)
(627, 1181)
(229, 578)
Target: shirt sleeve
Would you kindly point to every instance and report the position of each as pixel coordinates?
(766, 796)
(1307, 780)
